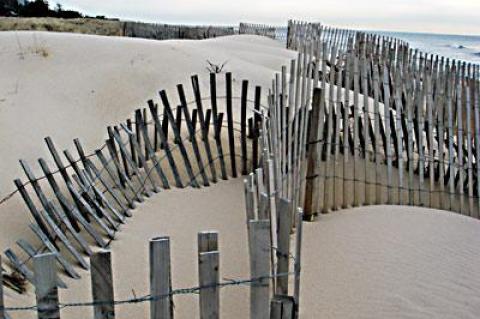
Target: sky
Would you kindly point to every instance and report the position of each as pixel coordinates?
(432, 16)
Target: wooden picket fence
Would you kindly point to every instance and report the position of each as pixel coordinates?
(94, 194)
(273, 32)
(409, 134)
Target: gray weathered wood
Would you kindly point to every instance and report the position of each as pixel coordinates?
(208, 275)
(102, 285)
(282, 307)
(298, 259)
(207, 241)
(160, 279)
(284, 226)
(46, 290)
(260, 269)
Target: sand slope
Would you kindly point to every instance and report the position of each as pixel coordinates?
(69, 85)
(391, 262)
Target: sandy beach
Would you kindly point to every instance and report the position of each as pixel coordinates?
(366, 262)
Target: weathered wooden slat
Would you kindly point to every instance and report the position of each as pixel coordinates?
(283, 244)
(20, 266)
(31, 206)
(208, 274)
(192, 133)
(298, 257)
(203, 126)
(217, 124)
(313, 158)
(46, 290)
(259, 268)
(176, 132)
(243, 128)
(61, 260)
(231, 135)
(151, 151)
(102, 285)
(160, 279)
(73, 251)
(207, 241)
(32, 252)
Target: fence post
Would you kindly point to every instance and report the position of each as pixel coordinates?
(207, 241)
(283, 249)
(312, 157)
(102, 285)
(46, 289)
(208, 274)
(282, 307)
(160, 278)
(298, 257)
(260, 269)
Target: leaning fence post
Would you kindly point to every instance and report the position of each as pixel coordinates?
(102, 285)
(208, 275)
(160, 281)
(259, 269)
(46, 289)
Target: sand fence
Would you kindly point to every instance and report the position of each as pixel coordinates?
(84, 203)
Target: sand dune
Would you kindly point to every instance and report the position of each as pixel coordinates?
(367, 262)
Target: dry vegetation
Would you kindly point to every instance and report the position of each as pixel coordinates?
(87, 25)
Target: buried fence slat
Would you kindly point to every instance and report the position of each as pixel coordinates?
(260, 269)
(283, 243)
(208, 274)
(31, 206)
(95, 174)
(160, 279)
(141, 177)
(78, 237)
(191, 131)
(61, 260)
(32, 252)
(203, 126)
(94, 206)
(102, 285)
(217, 124)
(147, 171)
(130, 137)
(231, 136)
(243, 127)
(151, 151)
(177, 133)
(71, 212)
(20, 266)
(46, 290)
(65, 240)
(256, 120)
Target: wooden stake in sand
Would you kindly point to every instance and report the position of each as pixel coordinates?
(102, 285)
(217, 124)
(282, 307)
(46, 290)
(260, 269)
(231, 135)
(283, 244)
(243, 128)
(208, 275)
(160, 279)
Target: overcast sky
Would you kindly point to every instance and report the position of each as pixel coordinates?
(438, 16)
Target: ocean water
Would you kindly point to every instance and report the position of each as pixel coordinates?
(459, 47)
